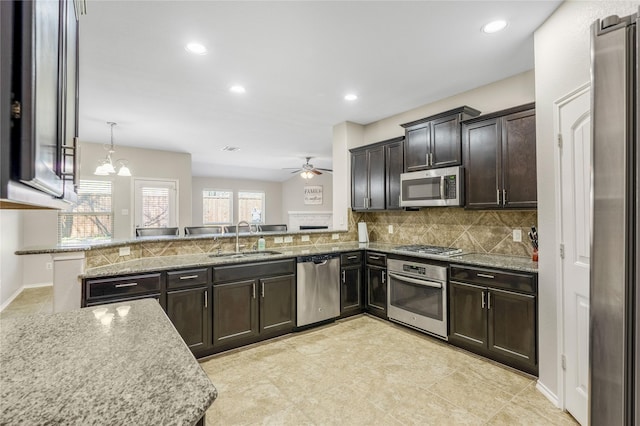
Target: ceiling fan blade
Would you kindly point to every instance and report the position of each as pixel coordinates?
(324, 170)
(315, 171)
(296, 171)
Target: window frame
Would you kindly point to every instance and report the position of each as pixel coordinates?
(67, 213)
(231, 202)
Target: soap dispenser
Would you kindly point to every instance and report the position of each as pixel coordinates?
(261, 244)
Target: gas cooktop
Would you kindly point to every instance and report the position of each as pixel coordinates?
(437, 250)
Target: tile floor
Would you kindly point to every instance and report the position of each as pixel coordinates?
(358, 371)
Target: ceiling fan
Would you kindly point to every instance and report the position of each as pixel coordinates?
(307, 171)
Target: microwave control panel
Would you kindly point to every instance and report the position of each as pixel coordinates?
(450, 187)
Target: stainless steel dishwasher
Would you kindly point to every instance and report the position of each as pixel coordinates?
(318, 288)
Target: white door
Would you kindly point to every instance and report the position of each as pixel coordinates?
(574, 120)
(155, 203)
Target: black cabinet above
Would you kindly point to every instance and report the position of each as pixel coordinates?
(435, 141)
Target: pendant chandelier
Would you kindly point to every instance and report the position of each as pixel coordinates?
(106, 167)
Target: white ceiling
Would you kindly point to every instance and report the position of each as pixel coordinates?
(297, 60)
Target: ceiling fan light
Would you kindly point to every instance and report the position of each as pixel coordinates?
(306, 174)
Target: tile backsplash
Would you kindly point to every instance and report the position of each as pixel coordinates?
(480, 231)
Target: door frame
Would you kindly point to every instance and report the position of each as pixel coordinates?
(559, 399)
(132, 215)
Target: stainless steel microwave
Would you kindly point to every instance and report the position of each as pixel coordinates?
(431, 188)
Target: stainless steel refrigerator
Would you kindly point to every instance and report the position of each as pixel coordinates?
(615, 296)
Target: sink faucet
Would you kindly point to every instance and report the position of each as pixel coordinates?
(244, 222)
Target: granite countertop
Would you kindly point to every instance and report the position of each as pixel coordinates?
(70, 368)
(163, 238)
(148, 264)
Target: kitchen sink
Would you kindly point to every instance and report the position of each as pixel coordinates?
(247, 254)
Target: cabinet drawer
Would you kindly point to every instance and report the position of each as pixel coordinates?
(495, 278)
(377, 259)
(120, 286)
(352, 258)
(187, 278)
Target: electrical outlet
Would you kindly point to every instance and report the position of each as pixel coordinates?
(391, 229)
(49, 265)
(335, 236)
(305, 238)
(277, 240)
(517, 235)
(124, 251)
(288, 239)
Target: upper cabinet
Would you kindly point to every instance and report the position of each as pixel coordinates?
(499, 155)
(435, 141)
(375, 175)
(39, 101)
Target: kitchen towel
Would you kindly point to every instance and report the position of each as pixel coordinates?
(363, 235)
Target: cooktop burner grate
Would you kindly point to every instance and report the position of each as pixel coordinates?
(437, 250)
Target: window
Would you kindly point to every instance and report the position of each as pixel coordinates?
(155, 204)
(90, 218)
(216, 207)
(251, 206)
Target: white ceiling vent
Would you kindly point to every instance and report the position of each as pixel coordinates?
(231, 148)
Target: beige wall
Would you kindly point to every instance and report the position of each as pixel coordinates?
(562, 61)
(10, 264)
(293, 194)
(273, 196)
(144, 163)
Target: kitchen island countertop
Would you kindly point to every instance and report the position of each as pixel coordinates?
(70, 368)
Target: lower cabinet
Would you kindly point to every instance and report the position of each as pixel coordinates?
(351, 284)
(494, 313)
(376, 287)
(189, 311)
(255, 307)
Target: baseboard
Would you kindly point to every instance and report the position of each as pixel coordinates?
(548, 394)
(19, 290)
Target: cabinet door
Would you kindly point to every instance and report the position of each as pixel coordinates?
(377, 291)
(519, 160)
(416, 148)
(359, 180)
(394, 157)
(235, 312)
(277, 303)
(446, 146)
(482, 164)
(467, 315)
(188, 310)
(350, 289)
(512, 325)
(377, 179)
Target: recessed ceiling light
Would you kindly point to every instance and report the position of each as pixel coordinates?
(238, 89)
(350, 97)
(494, 26)
(196, 48)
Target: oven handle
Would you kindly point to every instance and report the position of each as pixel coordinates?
(415, 281)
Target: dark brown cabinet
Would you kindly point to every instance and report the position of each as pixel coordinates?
(98, 291)
(375, 175)
(376, 284)
(499, 155)
(351, 283)
(494, 313)
(435, 141)
(253, 302)
(187, 305)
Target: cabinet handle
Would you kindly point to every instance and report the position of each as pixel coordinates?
(206, 298)
(483, 304)
(431, 158)
(488, 300)
(504, 197)
(497, 196)
(485, 275)
(262, 289)
(374, 257)
(352, 257)
(253, 290)
(343, 279)
(384, 277)
(188, 277)
(426, 160)
(126, 285)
